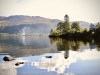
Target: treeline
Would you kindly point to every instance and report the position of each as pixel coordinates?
(64, 29)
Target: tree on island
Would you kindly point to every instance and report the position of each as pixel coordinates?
(66, 30)
(98, 26)
(60, 27)
(75, 26)
(97, 31)
(64, 27)
(66, 18)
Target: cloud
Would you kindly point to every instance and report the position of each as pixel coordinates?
(89, 55)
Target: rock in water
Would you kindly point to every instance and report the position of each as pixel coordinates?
(48, 56)
(18, 63)
(8, 58)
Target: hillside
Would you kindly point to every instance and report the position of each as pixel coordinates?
(27, 29)
(22, 19)
(21, 24)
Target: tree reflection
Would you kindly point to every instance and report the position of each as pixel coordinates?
(92, 44)
(62, 45)
(65, 45)
(75, 44)
(97, 43)
(66, 54)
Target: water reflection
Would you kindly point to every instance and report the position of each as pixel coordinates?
(89, 55)
(34, 41)
(54, 64)
(52, 56)
(57, 63)
(75, 44)
(9, 68)
(60, 65)
(26, 41)
(25, 45)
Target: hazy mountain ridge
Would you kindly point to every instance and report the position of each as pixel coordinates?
(22, 19)
(2, 17)
(20, 24)
(26, 29)
(83, 24)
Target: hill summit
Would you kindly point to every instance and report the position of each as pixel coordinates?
(22, 19)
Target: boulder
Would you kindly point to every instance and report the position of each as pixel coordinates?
(8, 58)
(18, 63)
(48, 56)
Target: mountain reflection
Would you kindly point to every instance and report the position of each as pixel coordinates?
(25, 45)
(34, 41)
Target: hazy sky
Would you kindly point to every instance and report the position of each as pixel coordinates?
(78, 10)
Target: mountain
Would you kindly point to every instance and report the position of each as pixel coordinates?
(22, 19)
(83, 24)
(2, 17)
(26, 29)
(21, 24)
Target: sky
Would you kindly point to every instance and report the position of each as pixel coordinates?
(77, 10)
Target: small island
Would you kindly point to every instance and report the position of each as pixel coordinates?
(65, 29)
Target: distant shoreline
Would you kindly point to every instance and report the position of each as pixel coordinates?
(6, 34)
(75, 35)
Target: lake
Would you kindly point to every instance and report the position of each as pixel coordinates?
(49, 56)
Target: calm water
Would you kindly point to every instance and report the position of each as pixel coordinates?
(49, 56)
